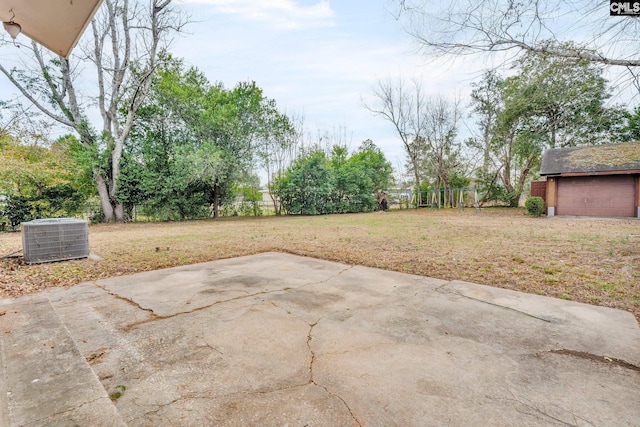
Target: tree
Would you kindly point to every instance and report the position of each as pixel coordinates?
(279, 137)
(167, 130)
(442, 155)
(550, 103)
(472, 26)
(306, 187)
(250, 195)
(352, 188)
(317, 184)
(126, 40)
(486, 103)
(227, 135)
(375, 164)
(40, 181)
(9, 117)
(564, 99)
(196, 140)
(427, 128)
(403, 108)
(630, 125)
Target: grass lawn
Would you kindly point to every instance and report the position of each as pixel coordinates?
(595, 261)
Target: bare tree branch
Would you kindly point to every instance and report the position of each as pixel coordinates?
(27, 94)
(540, 26)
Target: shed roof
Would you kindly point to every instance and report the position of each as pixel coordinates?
(55, 24)
(592, 159)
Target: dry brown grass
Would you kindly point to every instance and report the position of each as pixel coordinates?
(595, 261)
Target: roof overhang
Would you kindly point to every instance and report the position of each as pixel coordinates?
(587, 160)
(55, 24)
(595, 173)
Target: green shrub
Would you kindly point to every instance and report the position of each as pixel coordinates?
(535, 206)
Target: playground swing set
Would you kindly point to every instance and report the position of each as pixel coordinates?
(450, 198)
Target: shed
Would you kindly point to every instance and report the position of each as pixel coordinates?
(595, 180)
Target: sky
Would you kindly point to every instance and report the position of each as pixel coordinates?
(318, 59)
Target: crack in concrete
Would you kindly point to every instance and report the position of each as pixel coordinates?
(314, 382)
(160, 406)
(330, 393)
(127, 300)
(60, 413)
(442, 287)
(533, 410)
(594, 357)
(153, 316)
(206, 344)
(188, 302)
(320, 282)
(311, 352)
(311, 380)
(456, 292)
(156, 411)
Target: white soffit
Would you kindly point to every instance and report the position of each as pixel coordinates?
(55, 24)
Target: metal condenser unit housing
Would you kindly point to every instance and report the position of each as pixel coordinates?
(48, 240)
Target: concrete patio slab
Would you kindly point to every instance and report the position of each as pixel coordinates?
(276, 339)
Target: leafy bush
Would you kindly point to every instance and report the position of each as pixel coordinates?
(306, 187)
(17, 210)
(319, 184)
(535, 206)
(251, 200)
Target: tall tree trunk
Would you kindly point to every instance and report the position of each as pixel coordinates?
(418, 189)
(508, 183)
(416, 175)
(105, 199)
(277, 203)
(113, 211)
(118, 211)
(216, 200)
(522, 179)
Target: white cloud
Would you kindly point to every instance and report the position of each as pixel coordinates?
(276, 14)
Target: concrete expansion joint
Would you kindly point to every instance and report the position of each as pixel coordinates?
(500, 306)
(596, 358)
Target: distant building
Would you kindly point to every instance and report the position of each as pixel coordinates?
(595, 180)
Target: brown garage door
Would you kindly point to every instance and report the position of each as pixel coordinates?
(597, 196)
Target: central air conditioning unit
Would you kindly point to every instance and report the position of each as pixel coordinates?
(59, 239)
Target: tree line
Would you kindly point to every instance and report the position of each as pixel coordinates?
(150, 134)
(546, 102)
(555, 95)
(193, 149)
